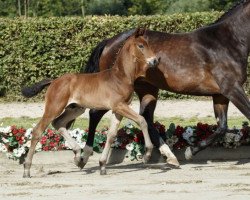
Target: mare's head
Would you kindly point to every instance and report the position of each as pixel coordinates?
(140, 56)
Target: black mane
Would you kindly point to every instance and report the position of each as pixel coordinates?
(232, 10)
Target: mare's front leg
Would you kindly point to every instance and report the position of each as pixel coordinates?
(220, 110)
(112, 133)
(124, 110)
(148, 98)
(94, 118)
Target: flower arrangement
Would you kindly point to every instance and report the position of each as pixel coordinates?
(15, 142)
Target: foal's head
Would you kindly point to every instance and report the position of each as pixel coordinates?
(138, 49)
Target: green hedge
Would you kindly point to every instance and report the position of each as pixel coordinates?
(38, 48)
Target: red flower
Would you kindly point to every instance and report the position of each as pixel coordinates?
(20, 142)
(50, 133)
(57, 138)
(136, 139)
(52, 144)
(43, 140)
(179, 131)
(14, 131)
(46, 148)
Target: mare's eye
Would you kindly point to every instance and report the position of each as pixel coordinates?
(140, 46)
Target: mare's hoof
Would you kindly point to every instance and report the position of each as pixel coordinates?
(173, 162)
(103, 172)
(188, 153)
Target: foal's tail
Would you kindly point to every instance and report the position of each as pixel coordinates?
(36, 88)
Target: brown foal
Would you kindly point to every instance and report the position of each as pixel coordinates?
(68, 96)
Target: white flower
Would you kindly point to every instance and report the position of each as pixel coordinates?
(28, 133)
(5, 140)
(28, 143)
(237, 138)
(129, 125)
(5, 129)
(19, 151)
(3, 148)
(188, 133)
(129, 147)
(115, 144)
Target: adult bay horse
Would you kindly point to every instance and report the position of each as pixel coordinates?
(69, 95)
(210, 61)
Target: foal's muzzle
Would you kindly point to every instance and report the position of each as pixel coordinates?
(153, 62)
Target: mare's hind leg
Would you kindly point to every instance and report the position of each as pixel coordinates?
(112, 133)
(62, 122)
(148, 97)
(220, 110)
(239, 98)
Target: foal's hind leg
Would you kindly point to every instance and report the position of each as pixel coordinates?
(220, 110)
(61, 123)
(112, 133)
(36, 135)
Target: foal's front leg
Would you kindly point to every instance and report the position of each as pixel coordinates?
(124, 110)
(112, 133)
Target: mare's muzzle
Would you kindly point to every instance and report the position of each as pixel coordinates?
(153, 62)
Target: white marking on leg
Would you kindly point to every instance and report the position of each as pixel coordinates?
(72, 143)
(188, 154)
(112, 133)
(165, 150)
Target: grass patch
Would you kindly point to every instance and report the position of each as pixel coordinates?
(233, 121)
(82, 123)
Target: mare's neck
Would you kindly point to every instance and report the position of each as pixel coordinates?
(238, 26)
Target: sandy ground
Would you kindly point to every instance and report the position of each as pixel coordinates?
(224, 180)
(129, 180)
(184, 109)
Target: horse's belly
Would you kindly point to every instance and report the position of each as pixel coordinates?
(192, 86)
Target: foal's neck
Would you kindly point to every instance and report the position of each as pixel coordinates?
(125, 67)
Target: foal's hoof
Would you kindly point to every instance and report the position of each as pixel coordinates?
(188, 153)
(79, 162)
(26, 176)
(103, 172)
(173, 162)
(145, 159)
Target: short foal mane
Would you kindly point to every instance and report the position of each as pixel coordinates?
(123, 43)
(232, 10)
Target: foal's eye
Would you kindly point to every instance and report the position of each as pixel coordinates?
(140, 46)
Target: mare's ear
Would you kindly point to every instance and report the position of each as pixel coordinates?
(139, 32)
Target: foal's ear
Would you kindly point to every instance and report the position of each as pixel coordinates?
(139, 32)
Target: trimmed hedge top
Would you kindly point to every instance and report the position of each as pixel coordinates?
(38, 48)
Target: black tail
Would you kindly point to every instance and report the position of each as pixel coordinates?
(36, 88)
(93, 62)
